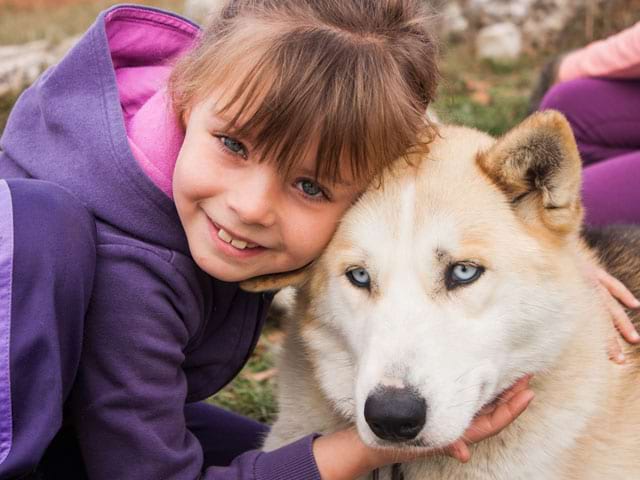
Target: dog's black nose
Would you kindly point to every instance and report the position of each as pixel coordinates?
(395, 414)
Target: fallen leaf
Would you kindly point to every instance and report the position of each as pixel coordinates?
(481, 97)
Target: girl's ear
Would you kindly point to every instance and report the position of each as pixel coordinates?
(184, 117)
(276, 281)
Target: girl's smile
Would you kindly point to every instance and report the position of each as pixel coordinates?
(233, 245)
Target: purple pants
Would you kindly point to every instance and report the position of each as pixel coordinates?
(47, 262)
(605, 117)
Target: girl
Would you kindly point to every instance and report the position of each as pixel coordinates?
(145, 176)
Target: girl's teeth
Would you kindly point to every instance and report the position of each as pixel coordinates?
(224, 236)
(239, 244)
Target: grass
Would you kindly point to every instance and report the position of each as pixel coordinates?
(252, 392)
(28, 20)
(6, 102)
(488, 96)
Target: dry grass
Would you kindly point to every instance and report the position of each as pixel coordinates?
(27, 20)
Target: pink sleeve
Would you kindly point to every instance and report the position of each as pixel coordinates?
(616, 57)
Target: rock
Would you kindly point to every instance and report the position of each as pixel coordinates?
(541, 22)
(488, 12)
(20, 65)
(500, 42)
(454, 21)
(199, 10)
(546, 23)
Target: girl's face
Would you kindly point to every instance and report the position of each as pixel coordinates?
(241, 217)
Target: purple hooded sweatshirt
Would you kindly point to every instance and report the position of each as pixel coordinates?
(159, 332)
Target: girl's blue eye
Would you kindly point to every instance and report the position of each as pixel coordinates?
(359, 277)
(310, 188)
(463, 274)
(233, 146)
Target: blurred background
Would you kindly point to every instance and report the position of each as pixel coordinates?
(491, 54)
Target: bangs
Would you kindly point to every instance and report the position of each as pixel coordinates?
(310, 92)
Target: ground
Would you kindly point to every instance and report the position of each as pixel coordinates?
(491, 97)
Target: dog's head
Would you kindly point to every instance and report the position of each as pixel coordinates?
(447, 283)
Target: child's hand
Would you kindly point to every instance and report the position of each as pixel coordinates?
(493, 418)
(614, 293)
(343, 455)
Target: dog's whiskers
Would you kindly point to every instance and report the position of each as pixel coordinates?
(466, 373)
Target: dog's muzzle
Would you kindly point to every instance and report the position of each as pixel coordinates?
(395, 414)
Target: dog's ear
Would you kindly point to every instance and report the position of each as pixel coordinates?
(276, 281)
(538, 167)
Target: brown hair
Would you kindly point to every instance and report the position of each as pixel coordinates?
(353, 76)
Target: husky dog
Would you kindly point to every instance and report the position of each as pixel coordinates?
(458, 274)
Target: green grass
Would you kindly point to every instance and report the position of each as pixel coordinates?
(488, 96)
(6, 103)
(249, 394)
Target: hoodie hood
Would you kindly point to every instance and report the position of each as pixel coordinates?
(69, 127)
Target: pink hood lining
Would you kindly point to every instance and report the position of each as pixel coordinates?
(143, 46)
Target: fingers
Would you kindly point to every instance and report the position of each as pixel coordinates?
(617, 289)
(507, 395)
(488, 425)
(459, 450)
(615, 350)
(511, 404)
(622, 321)
(613, 291)
(516, 388)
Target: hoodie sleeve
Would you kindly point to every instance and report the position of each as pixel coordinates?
(129, 397)
(617, 56)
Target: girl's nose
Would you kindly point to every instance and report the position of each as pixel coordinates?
(255, 199)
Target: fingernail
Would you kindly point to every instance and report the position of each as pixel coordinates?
(635, 337)
(636, 303)
(529, 396)
(620, 358)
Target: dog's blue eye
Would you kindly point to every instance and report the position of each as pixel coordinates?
(463, 273)
(359, 277)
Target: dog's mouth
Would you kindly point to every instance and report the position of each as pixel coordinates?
(419, 443)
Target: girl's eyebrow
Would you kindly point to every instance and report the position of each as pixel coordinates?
(225, 121)
(310, 173)
(214, 113)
